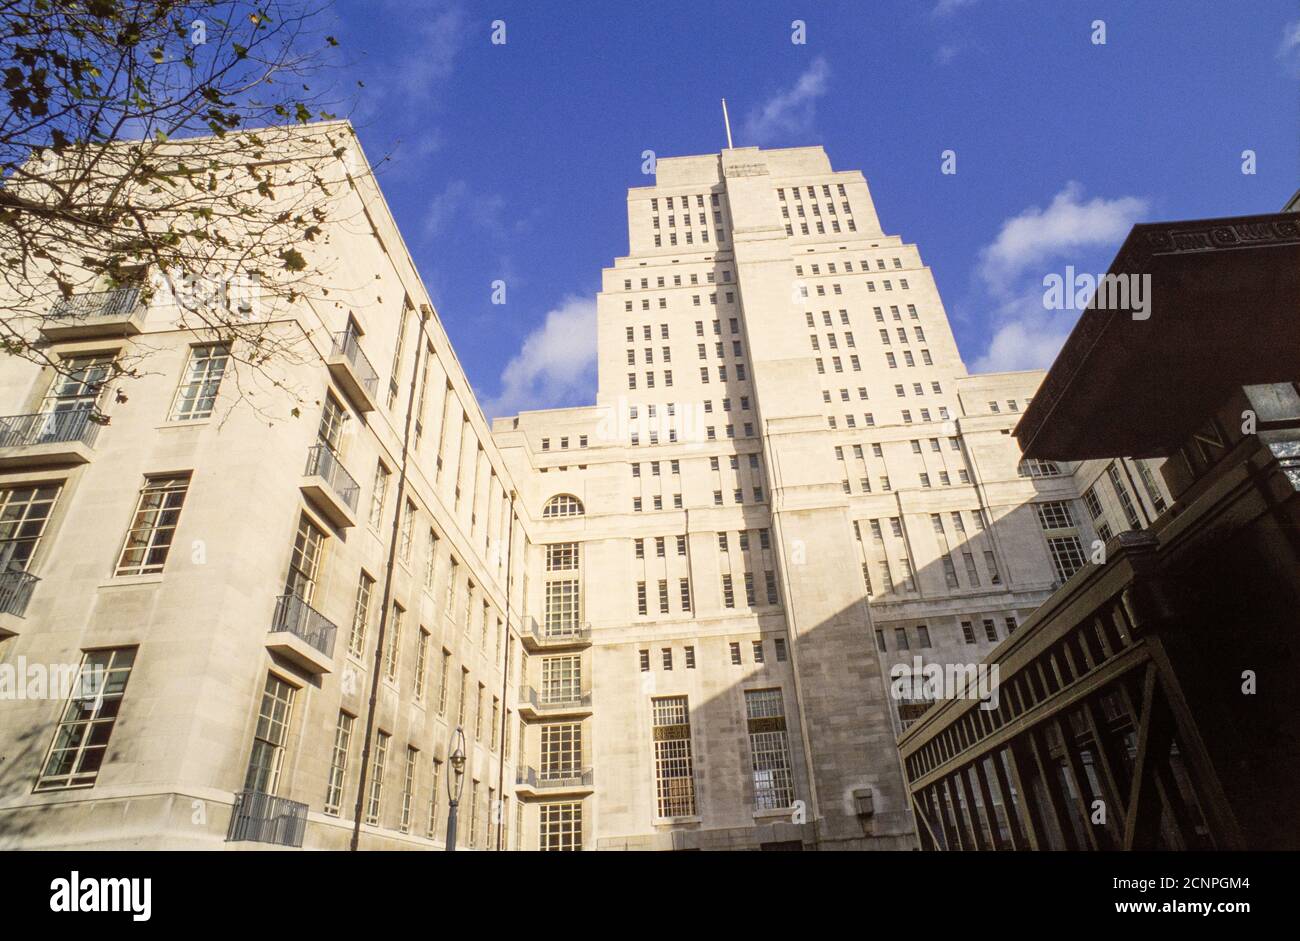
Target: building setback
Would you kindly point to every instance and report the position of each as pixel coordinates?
(788, 486)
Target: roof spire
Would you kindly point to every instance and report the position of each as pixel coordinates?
(727, 122)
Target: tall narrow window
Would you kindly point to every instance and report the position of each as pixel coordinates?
(267, 756)
(305, 560)
(769, 748)
(408, 788)
(431, 825)
(421, 665)
(81, 740)
(198, 390)
(375, 803)
(361, 615)
(378, 495)
(393, 647)
(338, 764)
(674, 773)
(153, 527)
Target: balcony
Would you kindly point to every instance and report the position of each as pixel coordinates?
(302, 635)
(537, 637)
(15, 591)
(329, 487)
(265, 818)
(552, 783)
(116, 313)
(533, 704)
(47, 439)
(352, 371)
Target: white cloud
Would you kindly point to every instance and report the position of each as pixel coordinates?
(458, 202)
(789, 113)
(1289, 50)
(1025, 334)
(556, 365)
(1066, 225)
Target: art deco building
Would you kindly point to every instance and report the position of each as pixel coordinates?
(667, 620)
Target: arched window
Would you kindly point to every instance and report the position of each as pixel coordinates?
(564, 504)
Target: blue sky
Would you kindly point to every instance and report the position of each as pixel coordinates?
(512, 161)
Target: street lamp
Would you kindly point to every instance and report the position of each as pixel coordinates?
(455, 784)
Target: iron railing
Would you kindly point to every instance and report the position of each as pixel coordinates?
(323, 462)
(575, 777)
(265, 818)
(16, 591)
(97, 305)
(558, 633)
(17, 431)
(554, 701)
(347, 345)
(296, 616)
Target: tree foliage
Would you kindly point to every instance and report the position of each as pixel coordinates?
(168, 137)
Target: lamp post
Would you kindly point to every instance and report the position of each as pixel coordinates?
(455, 783)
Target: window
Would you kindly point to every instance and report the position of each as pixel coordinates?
(990, 631)
(24, 512)
(922, 636)
(967, 632)
(728, 593)
(559, 826)
(684, 585)
(444, 679)
(267, 756)
(338, 764)
(561, 679)
(690, 657)
(421, 665)
(198, 390)
(81, 740)
(562, 505)
(431, 825)
(394, 645)
(154, 525)
(561, 751)
(769, 749)
(561, 613)
(644, 658)
(1067, 555)
(1125, 501)
(374, 804)
(674, 774)
(734, 648)
(408, 788)
(378, 495)
(758, 651)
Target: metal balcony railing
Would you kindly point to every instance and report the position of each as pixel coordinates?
(323, 462)
(568, 777)
(296, 616)
(18, 431)
(347, 344)
(558, 633)
(16, 591)
(526, 776)
(97, 305)
(265, 818)
(556, 700)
